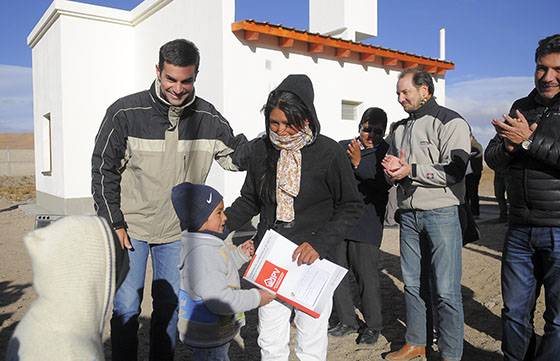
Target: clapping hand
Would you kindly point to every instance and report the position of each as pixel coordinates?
(396, 168)
(514, 130)
(354, 153)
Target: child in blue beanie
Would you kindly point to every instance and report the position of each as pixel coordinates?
(211, 302)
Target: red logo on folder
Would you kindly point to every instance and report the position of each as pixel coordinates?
(271, 276)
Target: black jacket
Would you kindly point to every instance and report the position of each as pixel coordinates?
(533, 176)
(475, 157)
(374, 188)
(327, 206)
(328, 203)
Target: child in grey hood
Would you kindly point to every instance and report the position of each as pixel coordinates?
(74, 275)
(211, 303)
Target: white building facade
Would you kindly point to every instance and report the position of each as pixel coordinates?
(86, 56)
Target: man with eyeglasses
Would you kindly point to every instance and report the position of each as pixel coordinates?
(360, 251)
(147, 143)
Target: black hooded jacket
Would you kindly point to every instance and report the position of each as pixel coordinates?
(328, 203)
(374, 189)
(533, 176)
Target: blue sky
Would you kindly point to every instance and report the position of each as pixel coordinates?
(491, 42)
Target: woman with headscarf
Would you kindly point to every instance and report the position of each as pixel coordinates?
(302, 185)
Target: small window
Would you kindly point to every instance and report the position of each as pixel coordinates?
(350, 110)
(47, 145)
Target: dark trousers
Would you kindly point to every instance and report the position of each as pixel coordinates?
(128, 299)
(471, 183)
(500, 189)
(531, 258)
(361, 258)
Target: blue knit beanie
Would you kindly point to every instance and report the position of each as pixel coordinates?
(194, 203)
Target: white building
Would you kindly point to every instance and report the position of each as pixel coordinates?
(86, 56)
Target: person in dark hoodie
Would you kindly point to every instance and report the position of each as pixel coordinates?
(360, 251)
(302, 184)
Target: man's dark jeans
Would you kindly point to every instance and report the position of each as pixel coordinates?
(440, 233)
(531, 258)
(128, 298)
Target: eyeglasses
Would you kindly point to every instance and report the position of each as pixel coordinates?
(366, 130)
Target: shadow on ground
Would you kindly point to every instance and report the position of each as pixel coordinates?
(10, 294)
(477, 316)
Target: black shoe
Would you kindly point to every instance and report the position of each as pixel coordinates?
(332, 326)
(342, 330)
(368, 336)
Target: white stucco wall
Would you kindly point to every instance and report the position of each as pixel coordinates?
(47, 98)
(96, 71)
(354, 20)
(198, 21)
(80, 66)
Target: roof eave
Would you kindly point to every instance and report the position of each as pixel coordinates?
(92, 12)
(316, 44)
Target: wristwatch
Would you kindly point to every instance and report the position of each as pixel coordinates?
(526, 144)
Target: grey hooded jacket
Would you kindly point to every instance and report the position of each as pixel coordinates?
(210, 296)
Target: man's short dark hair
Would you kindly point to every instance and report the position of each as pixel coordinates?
(376, 119)
(419, 78)
(548, 45)
(179, 52)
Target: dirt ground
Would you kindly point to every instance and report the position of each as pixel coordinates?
(16, 140)
(481, 293)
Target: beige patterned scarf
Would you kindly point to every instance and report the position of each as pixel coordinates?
(288, 170)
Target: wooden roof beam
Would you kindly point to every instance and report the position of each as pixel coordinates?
(285, 42)
(431, 69)
(409, 65)
(390, 62)
(342, 53)
(315, 48)
(251, 35)
(367, 58)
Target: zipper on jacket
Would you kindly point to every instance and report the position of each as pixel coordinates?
(538, 119)
(407, 138)
(524, 179)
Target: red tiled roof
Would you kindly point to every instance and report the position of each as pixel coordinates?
(251, 31)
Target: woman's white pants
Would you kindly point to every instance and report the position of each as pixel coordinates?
(274, 333)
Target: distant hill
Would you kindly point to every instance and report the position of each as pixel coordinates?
(16, 140)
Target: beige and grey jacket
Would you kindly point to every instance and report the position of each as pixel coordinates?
(436, 143)
(144, 147)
